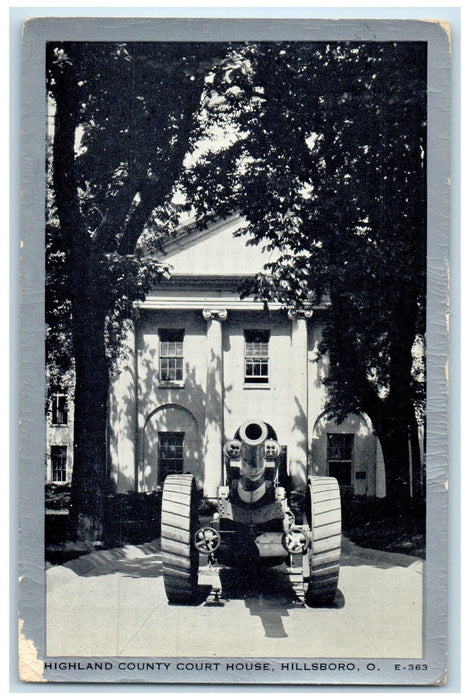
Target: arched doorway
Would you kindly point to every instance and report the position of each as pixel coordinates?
(350, 452)
(171, 444)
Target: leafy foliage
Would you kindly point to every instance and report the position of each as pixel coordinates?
(123, 118)
(329, 166)
(59, 355)
(134, 108)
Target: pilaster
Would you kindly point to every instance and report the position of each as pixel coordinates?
(214, 423)
(298, 448)
(122, 423)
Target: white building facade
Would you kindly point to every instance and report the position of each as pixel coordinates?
(200, 361)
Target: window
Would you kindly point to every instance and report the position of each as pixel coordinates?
(170, 454)
(59, 462)
(171, 355)
(256, 357)
(59, 409)
(340, 456)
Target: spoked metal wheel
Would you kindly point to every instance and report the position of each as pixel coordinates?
(179, 524)
(321, 561)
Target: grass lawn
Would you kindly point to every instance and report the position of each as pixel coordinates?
(379, 524)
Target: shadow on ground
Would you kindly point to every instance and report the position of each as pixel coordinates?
(144, 560)
(268, 594)
(135, 568)
(132, 560)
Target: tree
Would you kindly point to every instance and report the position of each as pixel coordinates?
(123, 117)
(328, 165)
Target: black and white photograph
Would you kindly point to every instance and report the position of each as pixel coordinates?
(238, 350)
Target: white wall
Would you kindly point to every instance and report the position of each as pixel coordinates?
(136, 420)
(152, 395)
(122, 416)
(183, 408)
(268, 402)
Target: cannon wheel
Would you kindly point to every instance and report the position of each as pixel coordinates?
(321, 561)
(179, 523)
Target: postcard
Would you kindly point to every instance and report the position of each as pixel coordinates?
(233, 351)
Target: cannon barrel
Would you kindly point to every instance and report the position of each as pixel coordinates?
(254, 445)
(253, 435)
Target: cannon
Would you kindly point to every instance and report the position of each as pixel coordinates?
(257, 523)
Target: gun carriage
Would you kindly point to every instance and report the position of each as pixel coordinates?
(254, 524)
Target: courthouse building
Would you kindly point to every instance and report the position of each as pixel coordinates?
(200, 361)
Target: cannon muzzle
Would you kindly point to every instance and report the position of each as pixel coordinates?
(253, 435)
(253, 432)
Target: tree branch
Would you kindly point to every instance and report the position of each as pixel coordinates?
(154, 193)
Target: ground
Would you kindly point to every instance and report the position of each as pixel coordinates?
(112, 603)
(114, 599)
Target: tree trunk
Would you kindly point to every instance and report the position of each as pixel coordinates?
(90, 478)
(393, 425)
(393, 435)
(89, 306)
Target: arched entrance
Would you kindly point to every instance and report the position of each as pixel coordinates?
(350, 452)
(171, 444)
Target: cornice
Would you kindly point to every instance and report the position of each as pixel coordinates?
(199, 303)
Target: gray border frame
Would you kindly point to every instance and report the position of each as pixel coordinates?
(31, 301)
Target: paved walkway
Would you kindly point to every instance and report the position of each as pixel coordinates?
(112, 603)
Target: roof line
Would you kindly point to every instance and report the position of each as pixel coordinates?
(189, 230)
